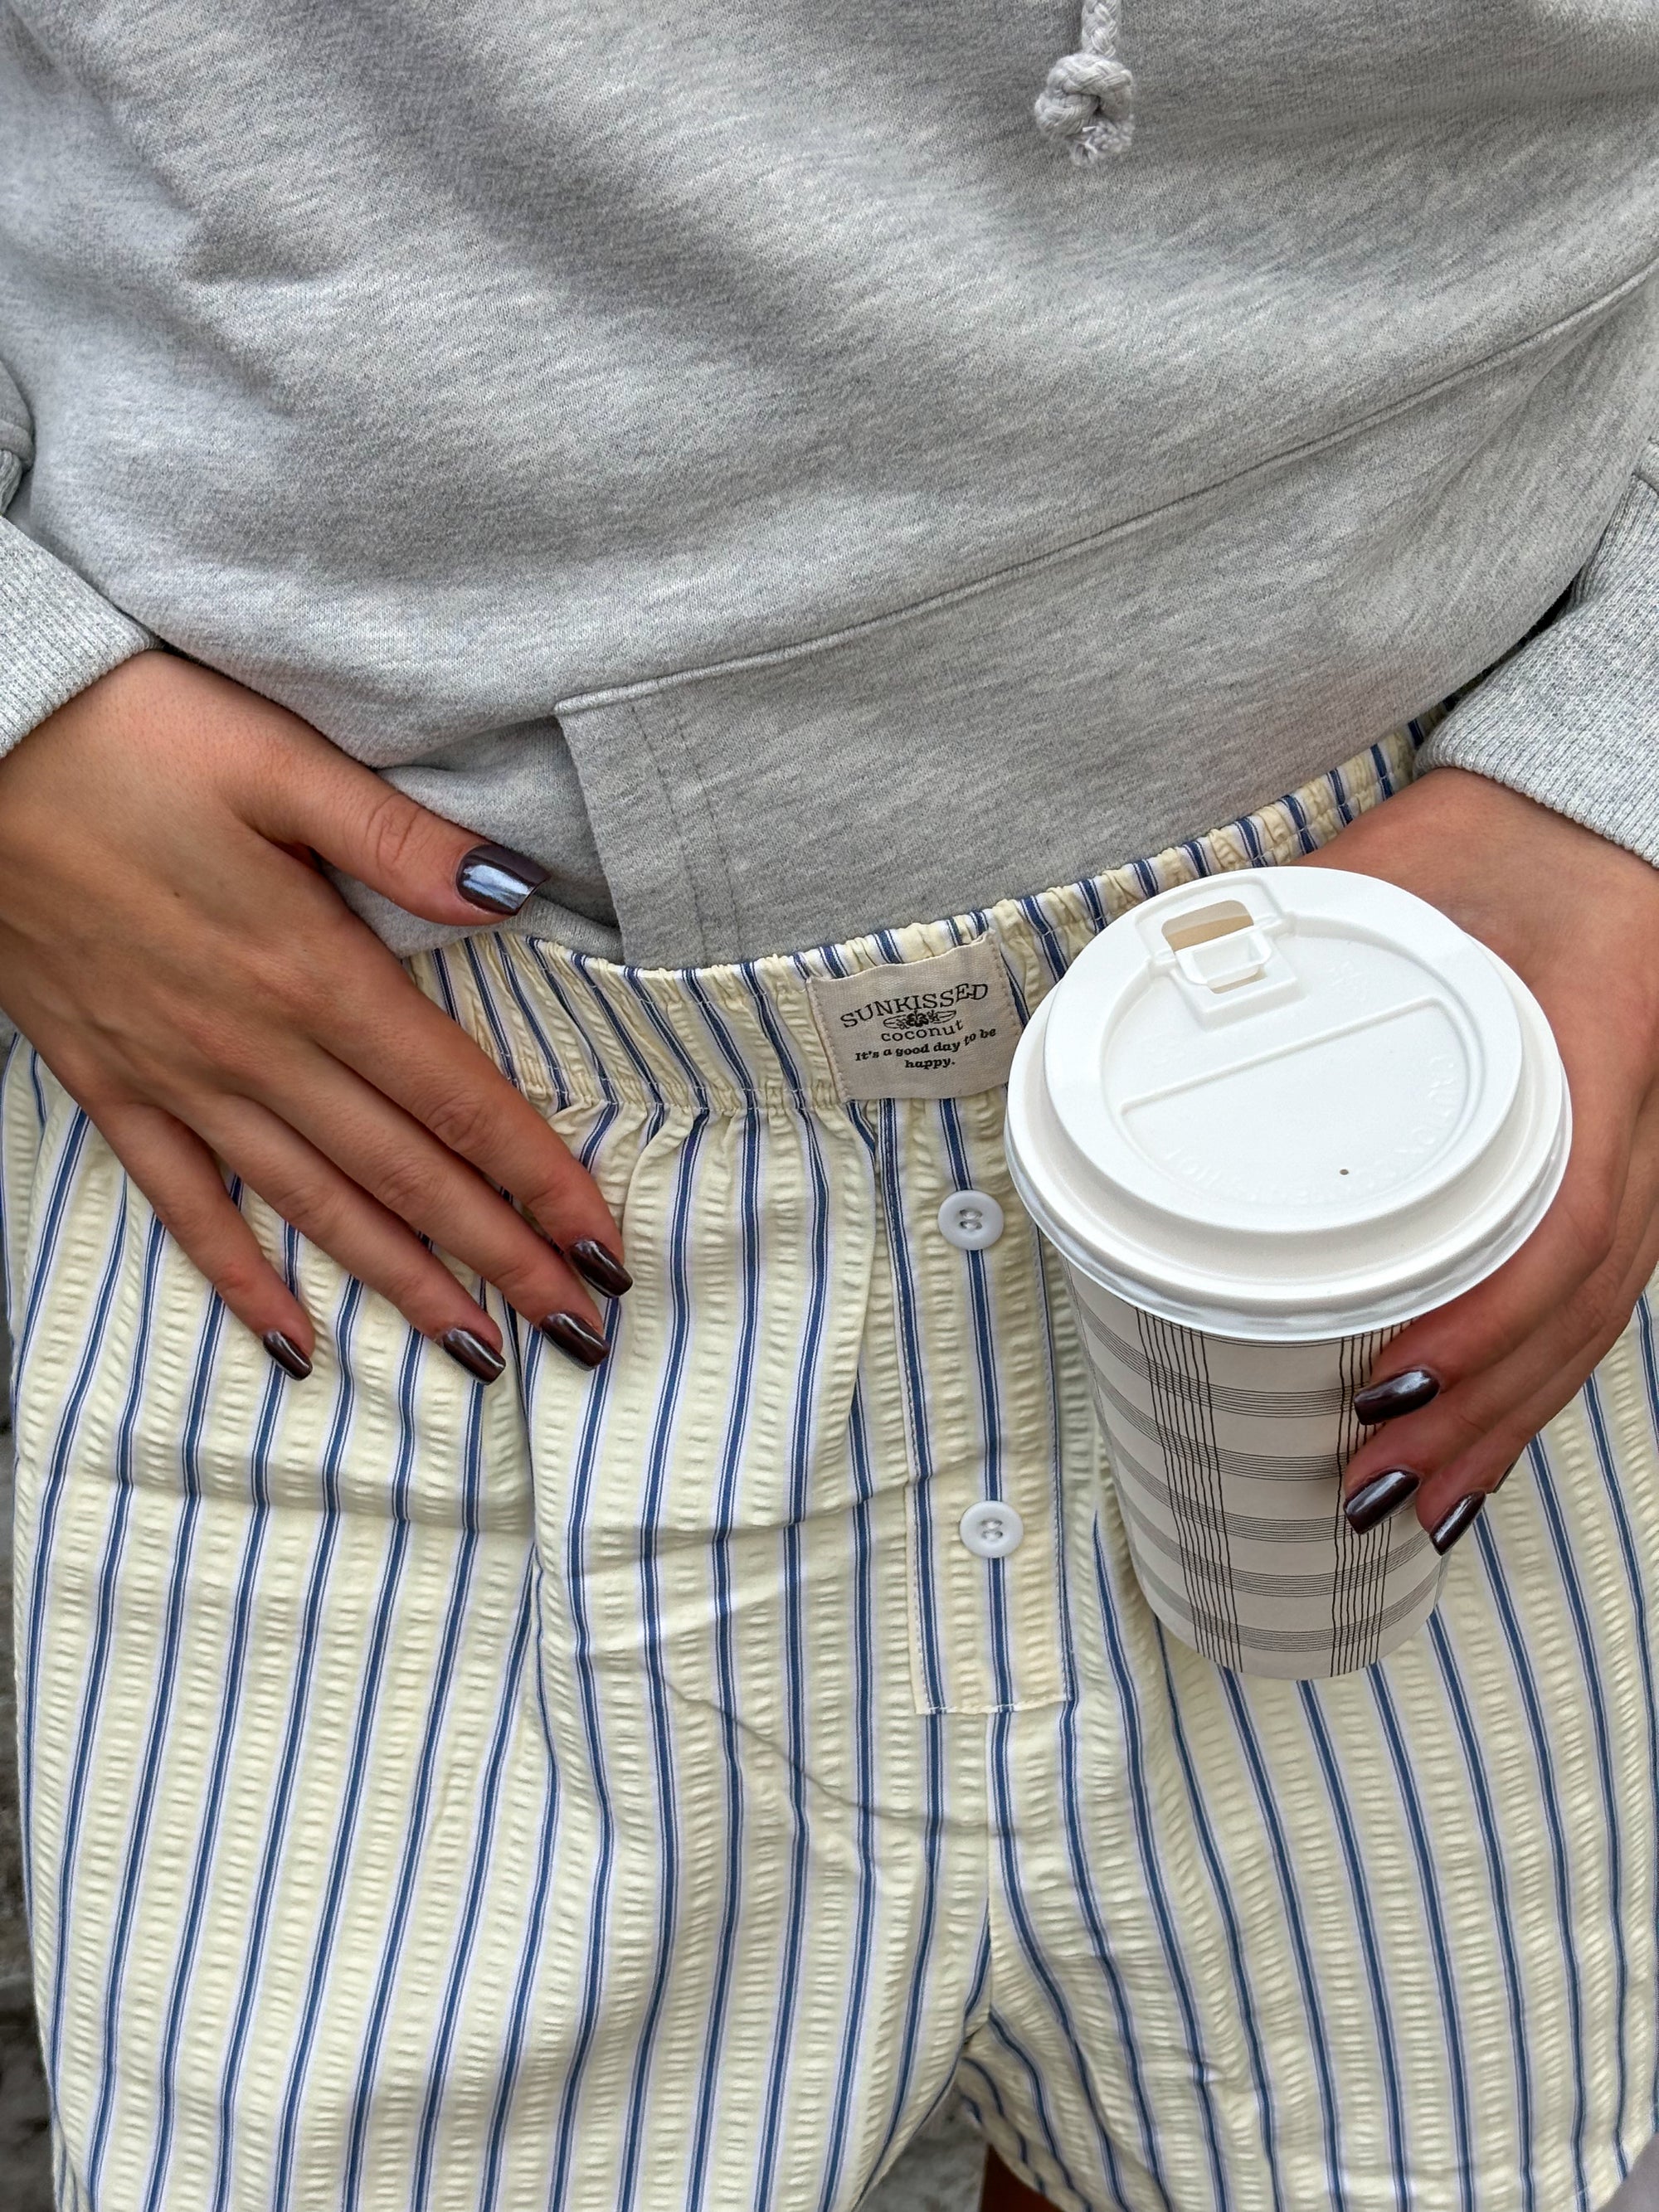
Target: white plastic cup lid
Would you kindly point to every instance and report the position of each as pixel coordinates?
(1288, 1103)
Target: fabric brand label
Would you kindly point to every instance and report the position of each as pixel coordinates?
(940, 1028)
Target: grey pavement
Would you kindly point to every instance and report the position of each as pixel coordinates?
(940, 2173)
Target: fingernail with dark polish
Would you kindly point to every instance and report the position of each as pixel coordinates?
(603, 1269)
(287, 1354)
(471, 1352)
(498, 878)
(575, 1340)
(1400, 1394)
(1463, 1516)
(1375, 1500)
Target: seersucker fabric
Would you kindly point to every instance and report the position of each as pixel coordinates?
(630, 1790)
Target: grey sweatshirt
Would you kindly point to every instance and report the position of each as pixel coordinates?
(752, 461)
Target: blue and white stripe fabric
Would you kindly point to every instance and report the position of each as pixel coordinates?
(628, 1793)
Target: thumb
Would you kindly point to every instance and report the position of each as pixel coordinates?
(366, 828)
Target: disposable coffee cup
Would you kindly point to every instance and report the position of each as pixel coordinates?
(1267, 1119)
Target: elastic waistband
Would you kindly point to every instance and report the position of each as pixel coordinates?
(572, 1030)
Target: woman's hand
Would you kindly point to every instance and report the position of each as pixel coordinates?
(1459, 1395)
(194, 982)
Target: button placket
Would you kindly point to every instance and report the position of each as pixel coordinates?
(1003, 1535)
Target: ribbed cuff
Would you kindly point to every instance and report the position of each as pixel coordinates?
(1572, 719)
(56, 634)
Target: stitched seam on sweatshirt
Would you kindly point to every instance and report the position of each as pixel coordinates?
(642, 730)
(711, 820)
(1061, 555)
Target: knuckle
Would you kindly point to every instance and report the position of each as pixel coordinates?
(550, 1204)
(1504, 1442)
(190, 1224)
(320, 1215)
(390, 831)
(407, 1277)
(1468, 1422)
(561, 1189)
(527, 1276)
(1595, 1221)
(1603, 1309)
(1468, 1427)
(535, 1282)
(463, 1121)
(407, 1187)
(91, 1087)
(240, 1280)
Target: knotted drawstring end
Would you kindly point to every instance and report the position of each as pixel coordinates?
(1089, 100)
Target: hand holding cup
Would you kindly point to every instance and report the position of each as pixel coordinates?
(1578, 919)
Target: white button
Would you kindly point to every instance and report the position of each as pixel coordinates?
(971, 1220)
(991, 1531)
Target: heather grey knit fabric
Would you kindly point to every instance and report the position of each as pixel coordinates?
(60, 635)
(1573, 720)
(757, 472)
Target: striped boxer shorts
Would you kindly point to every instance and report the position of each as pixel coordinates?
(637, 1790)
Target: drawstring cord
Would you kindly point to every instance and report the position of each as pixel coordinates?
(1089, 98)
